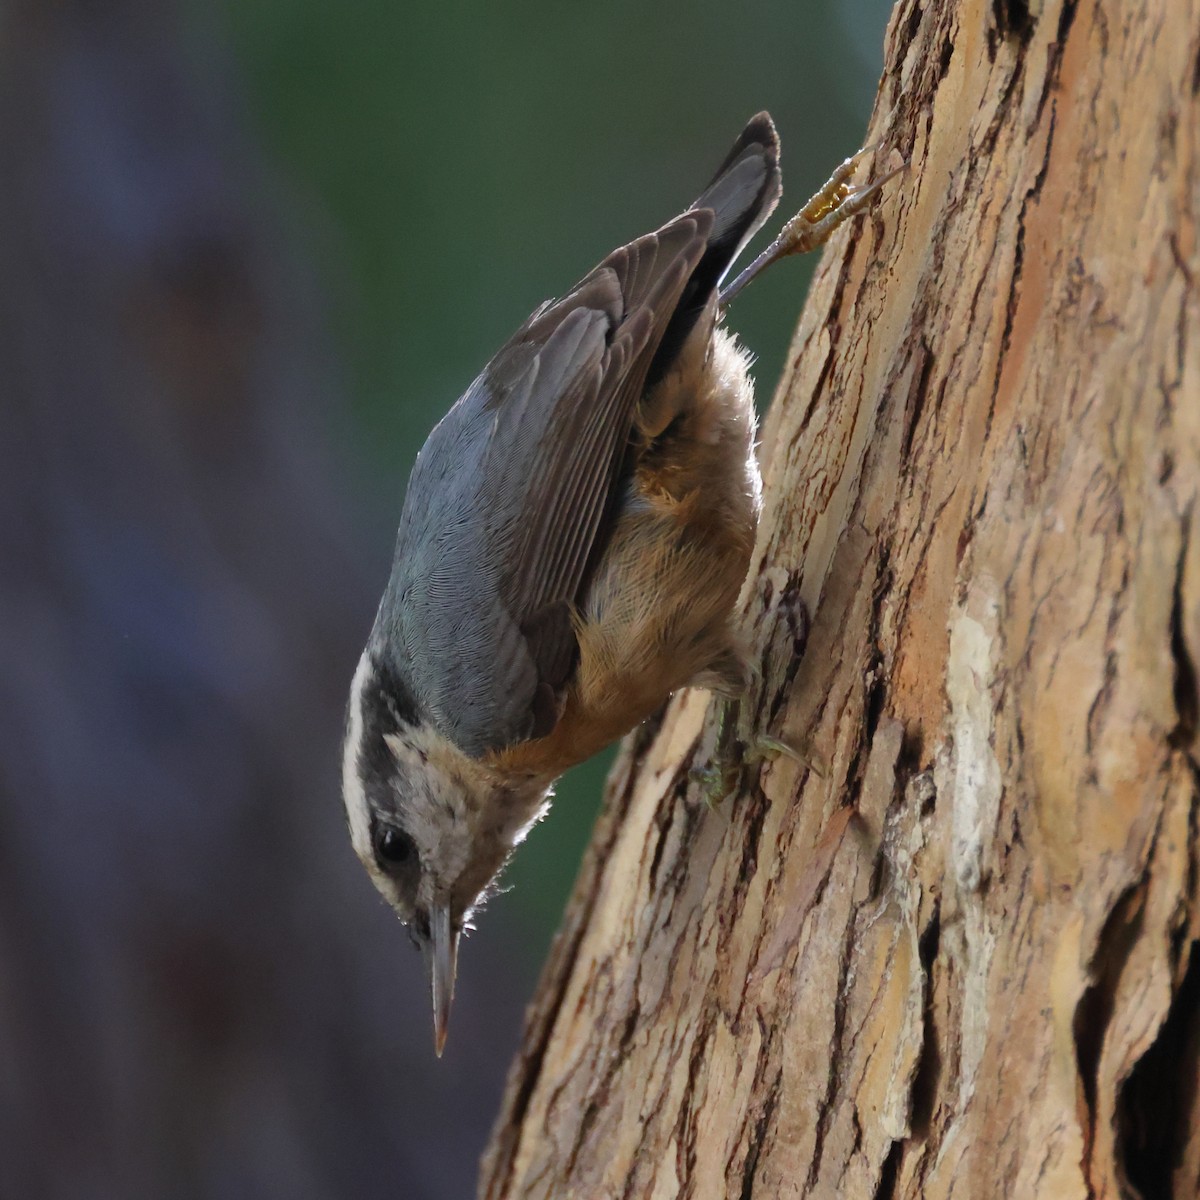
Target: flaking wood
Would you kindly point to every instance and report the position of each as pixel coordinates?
(963, 962)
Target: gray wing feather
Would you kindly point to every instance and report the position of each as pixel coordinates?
(508, 496)
(745, 189)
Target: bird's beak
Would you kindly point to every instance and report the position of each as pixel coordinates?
(442, 962)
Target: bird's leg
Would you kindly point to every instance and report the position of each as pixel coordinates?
(837, 201)
(721, 774)
(739, 746)
(757, 747)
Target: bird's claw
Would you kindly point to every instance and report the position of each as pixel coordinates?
(765, 746)
(834, 203)
(716, 780)
(738, 749)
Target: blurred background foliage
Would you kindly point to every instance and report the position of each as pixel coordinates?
(252, 253)
(457, 164)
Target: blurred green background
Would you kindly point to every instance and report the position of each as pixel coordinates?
(456, 164)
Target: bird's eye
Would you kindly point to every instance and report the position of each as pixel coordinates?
(393, 847)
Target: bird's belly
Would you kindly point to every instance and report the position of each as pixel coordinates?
(658, 613)
(659, 609)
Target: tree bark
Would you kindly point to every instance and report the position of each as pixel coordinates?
(961, 962)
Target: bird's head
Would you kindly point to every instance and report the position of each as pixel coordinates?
(432, 826)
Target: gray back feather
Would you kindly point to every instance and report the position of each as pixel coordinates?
(507, 501)
(507, 497)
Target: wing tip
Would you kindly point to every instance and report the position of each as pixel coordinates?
(747, 185)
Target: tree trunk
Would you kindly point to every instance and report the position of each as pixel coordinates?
(961, 962)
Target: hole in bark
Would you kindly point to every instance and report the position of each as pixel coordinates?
(919, 390)
(1157, 1107)
(887, 1176)
(1012, 18)
(875, 697)
(912, 24)
(881, 878)
(946, 55)
(912, 750)
(929, 1069)
(1096, 1004)
(1187, 700)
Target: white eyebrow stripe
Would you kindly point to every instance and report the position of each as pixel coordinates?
(353, 794)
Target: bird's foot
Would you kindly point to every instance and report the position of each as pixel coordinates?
(716, 780)
(739, 749)
(834, 203)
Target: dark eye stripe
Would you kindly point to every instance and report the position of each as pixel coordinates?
(387, 707)
(388, 701)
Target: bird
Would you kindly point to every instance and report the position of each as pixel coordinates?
(571, 545)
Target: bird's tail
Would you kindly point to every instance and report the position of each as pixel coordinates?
(741, 196)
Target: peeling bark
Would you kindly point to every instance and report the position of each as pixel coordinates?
(964, 961)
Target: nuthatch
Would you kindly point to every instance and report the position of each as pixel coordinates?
(572, 543)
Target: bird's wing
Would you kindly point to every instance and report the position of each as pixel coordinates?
(590, 374)
(514, 485)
